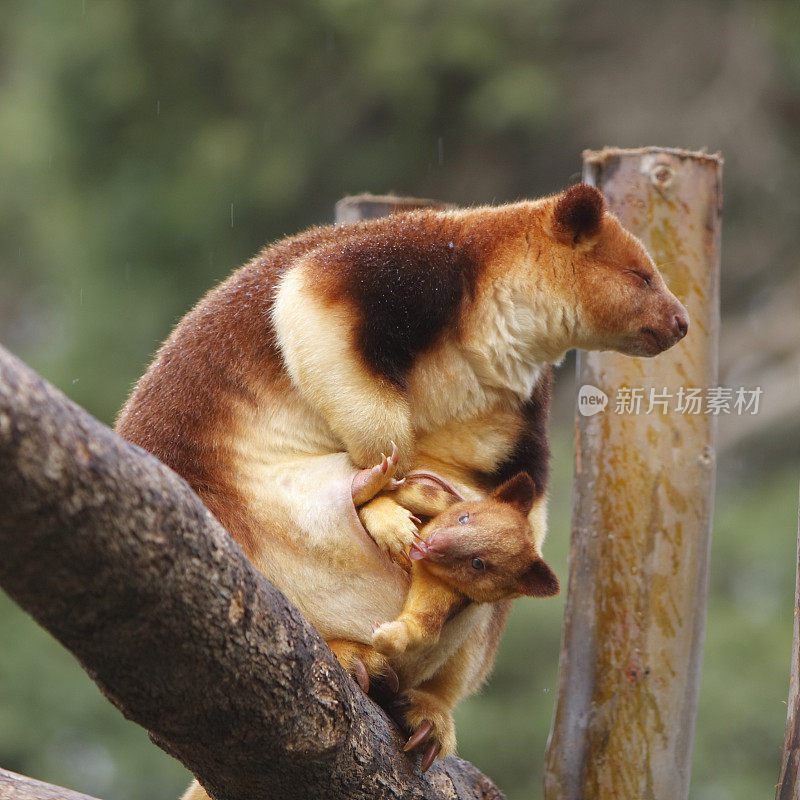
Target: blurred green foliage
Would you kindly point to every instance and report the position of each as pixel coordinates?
(147, 148)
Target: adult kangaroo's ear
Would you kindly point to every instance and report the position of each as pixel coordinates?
(519, 491)
(539, 580)
(578, 214)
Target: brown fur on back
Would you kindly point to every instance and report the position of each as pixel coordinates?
(182, 407)
(408, 284)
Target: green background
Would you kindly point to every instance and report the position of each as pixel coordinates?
(147, 149)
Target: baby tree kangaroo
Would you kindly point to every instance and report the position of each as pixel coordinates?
(469, 553)
(481, 551)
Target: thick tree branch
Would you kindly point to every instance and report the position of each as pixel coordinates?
(20, 787)
(112, 553)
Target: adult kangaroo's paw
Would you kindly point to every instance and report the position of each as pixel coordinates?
(430, 720)
(369, 668)
(368, 482)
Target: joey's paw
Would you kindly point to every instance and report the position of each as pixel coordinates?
(368, 668)
(368, 482)
(392, 527)
(392, 638)
(430, 721)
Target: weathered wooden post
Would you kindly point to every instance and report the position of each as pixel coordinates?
(633, 633)
(367, 206)
(789, 782)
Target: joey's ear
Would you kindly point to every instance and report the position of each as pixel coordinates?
(578, 213)
(539, 580)
(519, 491)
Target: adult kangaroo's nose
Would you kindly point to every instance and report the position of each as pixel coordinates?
(680, 324)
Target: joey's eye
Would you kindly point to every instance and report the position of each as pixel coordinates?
(463, 519)
(477, 564)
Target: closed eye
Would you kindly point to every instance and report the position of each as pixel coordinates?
(642, 276)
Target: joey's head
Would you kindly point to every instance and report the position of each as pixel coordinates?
(610, 291)
(484, 549)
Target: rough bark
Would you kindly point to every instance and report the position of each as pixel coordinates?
(629, 672)
(788, 787)
(111, 552)
(19, 787)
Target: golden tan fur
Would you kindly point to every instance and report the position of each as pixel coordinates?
(469, 552)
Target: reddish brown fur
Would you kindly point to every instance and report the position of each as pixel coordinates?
(578, 213)
(621, 293)
(407, 284)
(183, 403)
(497, 531)
(481, 551)
(182, 406)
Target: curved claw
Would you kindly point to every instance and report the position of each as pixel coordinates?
(416, 553)
(430, 755)
(361, 674)
(415, 520)
(395, 456)
(392, 681)
(420, 735)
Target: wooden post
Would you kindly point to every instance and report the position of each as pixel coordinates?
(633, 633)
(788, 784)
(368, 206)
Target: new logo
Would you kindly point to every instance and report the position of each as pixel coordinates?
(591, 400)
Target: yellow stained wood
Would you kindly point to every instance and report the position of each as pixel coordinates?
(632, 642)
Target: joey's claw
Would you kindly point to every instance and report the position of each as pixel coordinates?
(419, 735)
(415, 520)
(430, 755)
(361, 674)
(395, 456)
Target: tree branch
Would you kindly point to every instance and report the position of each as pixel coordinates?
(19, 787)
(111, 552)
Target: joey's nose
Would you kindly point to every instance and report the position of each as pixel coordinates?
(680, 324)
